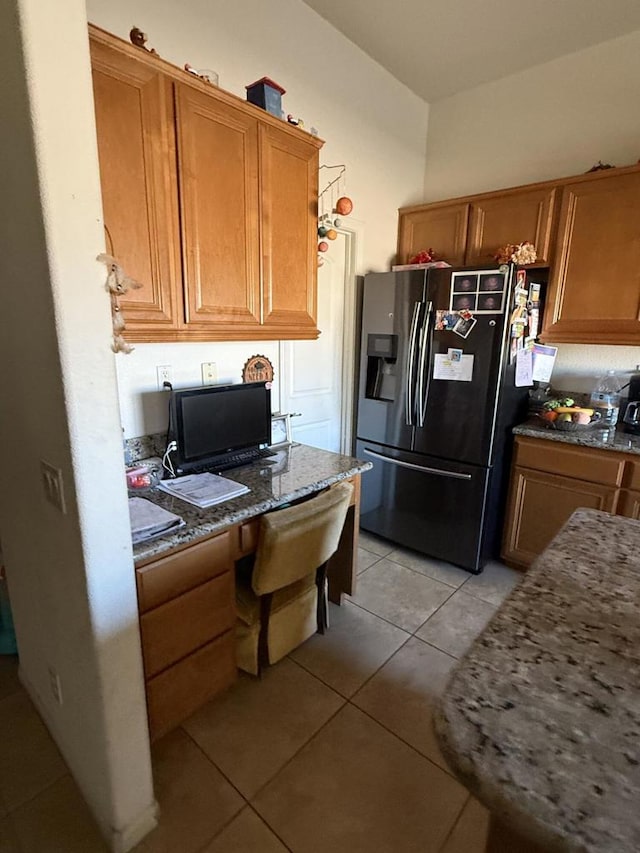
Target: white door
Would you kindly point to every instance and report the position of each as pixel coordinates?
(312, 371)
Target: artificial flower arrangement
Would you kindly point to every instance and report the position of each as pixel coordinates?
(517, 253)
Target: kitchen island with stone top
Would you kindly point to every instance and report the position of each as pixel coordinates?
(541, 719)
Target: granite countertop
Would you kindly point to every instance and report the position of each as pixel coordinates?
(541, 719)
(294, 472)
(600, 439)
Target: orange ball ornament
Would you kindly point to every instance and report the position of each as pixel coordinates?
(323, 246)
(331, 234)
(344, 206)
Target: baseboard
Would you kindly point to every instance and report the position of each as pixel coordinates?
(123, 840)
(119, 840)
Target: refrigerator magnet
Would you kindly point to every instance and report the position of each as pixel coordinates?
(464, 282)
(454, 354)
(534, 322)
(464, 326)
(491, 282)
(445, 320)
(464, 302)
(521, 279)
(513, 350)
(490, 303)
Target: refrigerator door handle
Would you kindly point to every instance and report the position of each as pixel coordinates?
(424, 364)
(411, 352)
(454, 475)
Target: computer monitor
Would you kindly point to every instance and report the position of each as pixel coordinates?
(216, 421)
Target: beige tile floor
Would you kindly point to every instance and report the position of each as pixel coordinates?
(332, 750)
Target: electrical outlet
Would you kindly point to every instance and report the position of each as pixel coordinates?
(164, 374)
(209, 373)
(54, 684)
(53, 485)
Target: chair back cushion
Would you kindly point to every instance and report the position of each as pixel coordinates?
(295, 541)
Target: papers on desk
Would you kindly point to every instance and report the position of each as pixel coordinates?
(203, 490)
(149, 520)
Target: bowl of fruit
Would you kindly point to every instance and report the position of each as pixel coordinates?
(563, 414)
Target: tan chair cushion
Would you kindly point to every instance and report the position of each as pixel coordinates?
(288, 628)
(294, 542)
(248, 603)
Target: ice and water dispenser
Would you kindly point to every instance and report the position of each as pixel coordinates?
(382, 351)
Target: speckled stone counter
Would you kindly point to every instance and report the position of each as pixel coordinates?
(612, 439)
(294, 472)
(541, 719)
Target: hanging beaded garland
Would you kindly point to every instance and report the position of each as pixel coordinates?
(332, 205)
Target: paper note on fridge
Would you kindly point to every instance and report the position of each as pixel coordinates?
(454, 371)
(543, 360)
(524, 368)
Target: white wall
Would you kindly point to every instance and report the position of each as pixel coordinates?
(145, 409)
(71, 577)
(370, 121)
(553, 120)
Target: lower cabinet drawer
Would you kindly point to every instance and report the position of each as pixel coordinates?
(179, 691)
(179, 627)
(582, 463)
(163, 579)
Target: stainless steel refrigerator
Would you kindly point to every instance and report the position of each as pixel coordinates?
(437, 401)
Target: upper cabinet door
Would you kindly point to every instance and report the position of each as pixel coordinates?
(136, 148)
(289, 205)
(511, 217)
(595, 286)
(218, 167)
(441, 227)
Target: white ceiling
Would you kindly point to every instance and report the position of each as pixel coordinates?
(440, 47)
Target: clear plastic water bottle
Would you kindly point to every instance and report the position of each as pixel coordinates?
(605, 398)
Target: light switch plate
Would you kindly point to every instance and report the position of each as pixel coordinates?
(53, 485)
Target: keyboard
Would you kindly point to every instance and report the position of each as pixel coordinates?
(231, 460)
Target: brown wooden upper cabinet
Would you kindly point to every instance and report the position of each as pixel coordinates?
(136, 147)
(209, 202)
(441, 227)
(218, 165)
(469, 231)
(594, 294)
(512, 216)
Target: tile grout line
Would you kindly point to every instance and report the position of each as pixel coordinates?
(219, 769)
(67, 772)
(349, 701)
(406, 743)
(454, 824)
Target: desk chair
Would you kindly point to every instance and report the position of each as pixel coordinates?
(283, 601)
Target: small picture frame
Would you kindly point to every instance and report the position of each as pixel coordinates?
(280, 430)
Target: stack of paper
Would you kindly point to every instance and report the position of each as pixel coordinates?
(149, 520)
(203, 490)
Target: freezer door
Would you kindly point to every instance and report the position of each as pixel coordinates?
(432, 506)
(392, 315)
(459, 416)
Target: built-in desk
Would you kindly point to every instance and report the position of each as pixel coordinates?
(186, 585)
